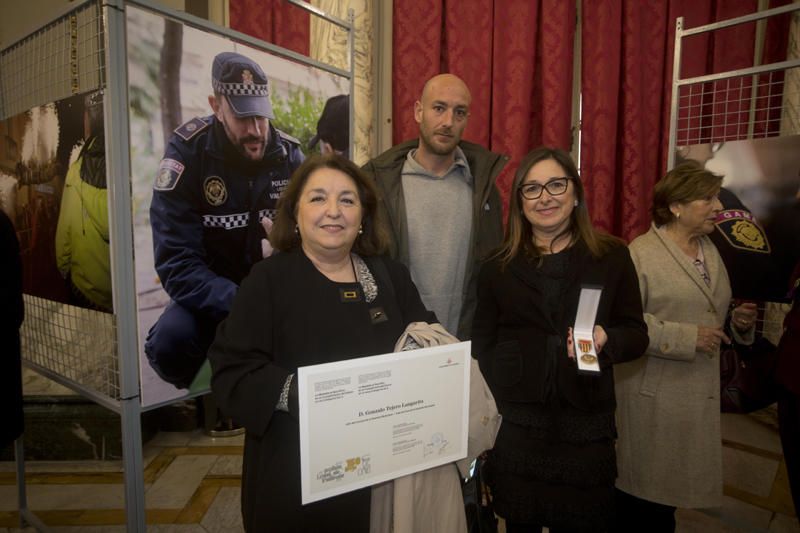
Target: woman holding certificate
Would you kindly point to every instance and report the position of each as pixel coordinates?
(669, 447)
(553, 464)
(325, 297)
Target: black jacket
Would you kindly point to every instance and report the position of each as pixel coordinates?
(289, 315)
(522, 352)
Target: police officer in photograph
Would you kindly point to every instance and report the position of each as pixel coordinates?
(215, 192)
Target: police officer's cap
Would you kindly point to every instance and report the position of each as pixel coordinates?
(334, 124)
(243, 83)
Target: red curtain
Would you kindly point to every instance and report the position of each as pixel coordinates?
(516, 57)
(623, 90)
(516, 62)
(627, 61)
(274, 21)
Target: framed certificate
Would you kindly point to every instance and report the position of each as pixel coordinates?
(369, 420)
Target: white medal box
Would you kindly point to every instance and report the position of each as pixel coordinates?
(582, 332)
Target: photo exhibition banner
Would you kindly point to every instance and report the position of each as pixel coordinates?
(53, 188)
(170, 77)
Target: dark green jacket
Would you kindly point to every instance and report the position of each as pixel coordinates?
(487, 211)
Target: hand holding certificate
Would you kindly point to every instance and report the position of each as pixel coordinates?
(369, 420)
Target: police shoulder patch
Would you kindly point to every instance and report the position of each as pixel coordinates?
(288, 137)
(169, 172)
(742, 231)
(188, 130)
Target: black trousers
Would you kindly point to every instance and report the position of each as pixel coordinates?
(177, 344)
(635, 514)
(789, 429)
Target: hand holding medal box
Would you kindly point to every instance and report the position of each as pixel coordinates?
(582, 332)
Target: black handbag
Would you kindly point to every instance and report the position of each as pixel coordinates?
(747, 381)
(478, 501)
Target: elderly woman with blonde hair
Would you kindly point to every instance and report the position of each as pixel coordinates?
(668, 414)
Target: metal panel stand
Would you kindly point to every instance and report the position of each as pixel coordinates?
(121, 228)
(133, 465)
(26, 517)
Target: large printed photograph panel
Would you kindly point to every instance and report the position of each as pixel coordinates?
(53, 188)
(170, 77)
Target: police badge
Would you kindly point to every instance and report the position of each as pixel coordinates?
(748, 234)
(741, 230)
(215, 191)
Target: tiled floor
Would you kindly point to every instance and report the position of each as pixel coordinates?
(192, 485)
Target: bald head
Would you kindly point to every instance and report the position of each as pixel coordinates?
(448, 82)
(441, 113)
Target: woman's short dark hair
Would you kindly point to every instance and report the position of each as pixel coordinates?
(686, 182)
(519, 233)
(375, 237)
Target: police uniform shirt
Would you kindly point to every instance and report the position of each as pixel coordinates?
(207, 204)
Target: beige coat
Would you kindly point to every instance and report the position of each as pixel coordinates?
(669, 448)
(431, 500)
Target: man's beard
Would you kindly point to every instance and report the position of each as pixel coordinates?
(238, 144)
(438, 148)
(245, 153)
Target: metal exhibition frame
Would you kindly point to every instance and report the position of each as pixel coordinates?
(50, 64)
(740, 101)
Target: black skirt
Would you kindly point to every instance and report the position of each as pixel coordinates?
(554, 467)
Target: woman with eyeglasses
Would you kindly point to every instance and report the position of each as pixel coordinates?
(553, 464)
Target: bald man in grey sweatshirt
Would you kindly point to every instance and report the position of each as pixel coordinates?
(444, 208)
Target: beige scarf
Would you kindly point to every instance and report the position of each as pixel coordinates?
(431, 500)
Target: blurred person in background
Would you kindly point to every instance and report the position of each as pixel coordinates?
(788, 377)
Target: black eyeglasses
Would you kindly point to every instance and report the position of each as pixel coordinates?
(555, 187)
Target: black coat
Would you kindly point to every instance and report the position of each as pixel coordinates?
(11, 315)
(512, 332)
(286, 315)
